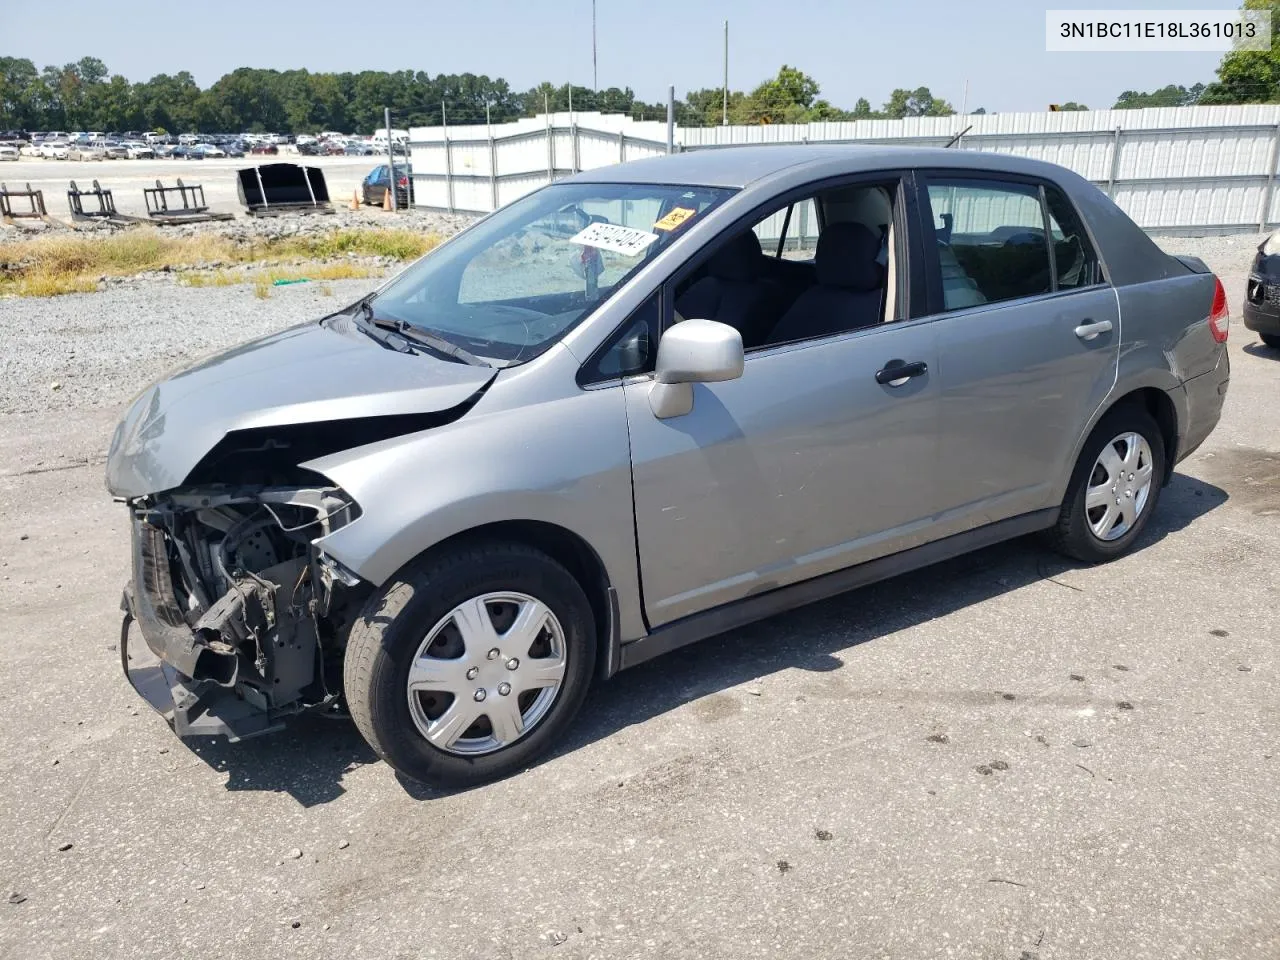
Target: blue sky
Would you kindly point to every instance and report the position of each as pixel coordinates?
(853, 48)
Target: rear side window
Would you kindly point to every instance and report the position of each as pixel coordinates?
(1075, 263)
(991, 241)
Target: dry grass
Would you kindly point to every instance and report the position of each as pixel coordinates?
(41, 283)
(50, 265)
(340, 270)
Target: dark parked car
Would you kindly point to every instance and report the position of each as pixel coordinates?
(184, 151)
(375, 185)
(532, 460)
(1262, 296)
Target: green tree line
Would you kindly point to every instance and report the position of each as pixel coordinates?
(85, 95)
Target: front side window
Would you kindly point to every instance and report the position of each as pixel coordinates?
(991, 241)
(517, 282)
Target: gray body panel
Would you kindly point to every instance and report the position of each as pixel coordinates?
(523, 453)
(1016, 384)
(307, 374)
(802, 467)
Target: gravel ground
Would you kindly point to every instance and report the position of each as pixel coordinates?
(1006, 756)
(1228, 256)
(97, 349)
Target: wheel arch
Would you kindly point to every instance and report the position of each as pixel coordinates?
(1165, 401)
(1160, 406)
(572, 552)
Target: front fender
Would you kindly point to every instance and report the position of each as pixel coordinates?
(564, 461)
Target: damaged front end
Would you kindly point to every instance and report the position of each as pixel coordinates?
(244, 619)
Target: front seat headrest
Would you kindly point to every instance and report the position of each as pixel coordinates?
(739, 259)
(846, 257)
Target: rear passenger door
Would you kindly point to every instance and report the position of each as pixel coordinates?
(1028, 333)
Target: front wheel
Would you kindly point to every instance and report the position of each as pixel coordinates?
(1272, 340)
(1114, 487)
(468, 665)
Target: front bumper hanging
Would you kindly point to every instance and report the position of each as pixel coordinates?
(193, 708)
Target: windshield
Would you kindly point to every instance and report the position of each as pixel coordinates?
(514, 284)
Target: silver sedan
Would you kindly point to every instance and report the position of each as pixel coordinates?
(641, 406)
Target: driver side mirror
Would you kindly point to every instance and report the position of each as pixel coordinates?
(693, 351)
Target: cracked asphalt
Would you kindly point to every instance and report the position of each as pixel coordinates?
(1005, 756)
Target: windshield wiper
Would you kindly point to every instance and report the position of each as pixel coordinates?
(422, 337)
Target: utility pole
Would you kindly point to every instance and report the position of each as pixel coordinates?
(725, 118)
(595, 80)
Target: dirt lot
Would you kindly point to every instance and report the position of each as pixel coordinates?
(126, 178)
(1006, 756)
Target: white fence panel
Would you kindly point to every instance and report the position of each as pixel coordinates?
(1204, 169)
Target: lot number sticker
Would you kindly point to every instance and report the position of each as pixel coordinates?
(674, 218)
(627, 241)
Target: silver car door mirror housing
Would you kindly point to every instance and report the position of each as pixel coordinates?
(693, 351)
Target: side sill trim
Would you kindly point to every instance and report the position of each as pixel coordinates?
(739, 613)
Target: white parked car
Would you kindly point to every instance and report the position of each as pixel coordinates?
(137, 150)
(87, 151)
(54, 150)
(8, 151)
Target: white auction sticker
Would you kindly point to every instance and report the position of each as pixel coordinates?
(1135, 31)
(609, 236)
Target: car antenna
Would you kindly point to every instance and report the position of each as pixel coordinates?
(954, 140)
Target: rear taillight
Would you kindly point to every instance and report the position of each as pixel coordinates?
(1219, 315)
(404, 181)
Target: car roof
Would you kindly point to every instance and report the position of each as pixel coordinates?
(741, 166)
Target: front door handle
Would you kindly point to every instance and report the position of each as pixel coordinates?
(897, 372)
(1089, 329)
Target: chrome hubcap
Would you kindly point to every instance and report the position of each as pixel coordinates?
(1119, 486)
(487, 673)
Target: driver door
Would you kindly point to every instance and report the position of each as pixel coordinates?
(804, 465)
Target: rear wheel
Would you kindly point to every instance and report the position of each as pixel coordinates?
(466, 667)
(1272, 340)
(1114, 487)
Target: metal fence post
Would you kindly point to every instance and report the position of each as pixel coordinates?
(551, 152)
(671, 119)
(576, 158)
(493, 170)
(1264, 212)
(391, 161)
(622, 146)
(448, 169)
(1115, 164)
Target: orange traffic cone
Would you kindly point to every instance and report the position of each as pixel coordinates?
(355, 199)
(386, 200)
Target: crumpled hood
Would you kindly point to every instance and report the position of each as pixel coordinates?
(311, 374)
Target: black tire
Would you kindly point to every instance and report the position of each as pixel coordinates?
(396, 619)
(1272, 340)
(1072, 535)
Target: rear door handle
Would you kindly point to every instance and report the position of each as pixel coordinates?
(1090, 329)
(897, 372)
